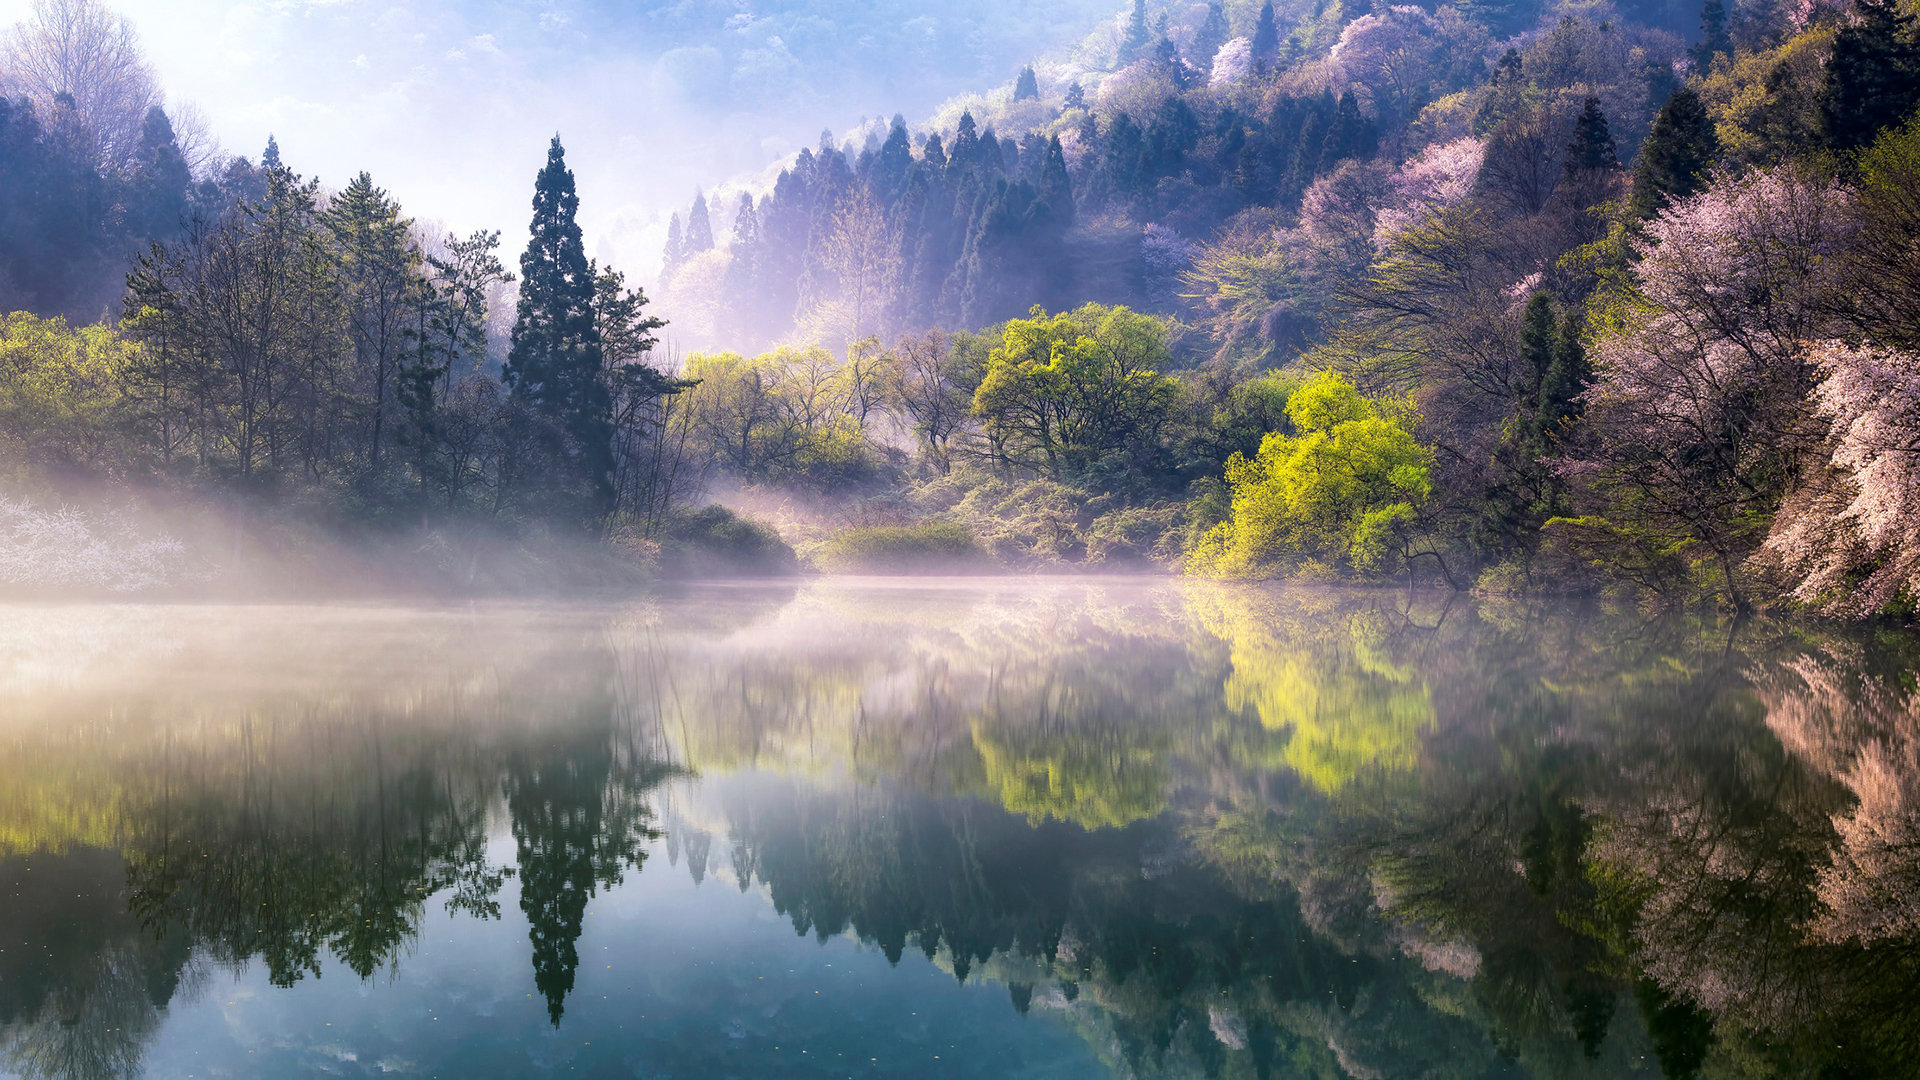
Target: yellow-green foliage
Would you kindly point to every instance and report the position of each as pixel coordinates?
(930, 545)
(1763, 102)
(791, 415)
(62, 396)
(1063, 392)
(1326, 677)
(1340, 493)
(1084, 779)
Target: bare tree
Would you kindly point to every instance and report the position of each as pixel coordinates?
(864, 253)
(81, 50)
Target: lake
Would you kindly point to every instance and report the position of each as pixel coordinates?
(992, 828)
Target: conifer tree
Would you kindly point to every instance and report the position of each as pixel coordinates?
(1675, 159)
(1714, 39)
(382, 290)
(1213, 34)
(1027, 86)
(1266, 39)
(699, 226)
(1056, 184)
(676, 252)
(1873, 78)
(1591, 147)
(1135, 41)
(554, 365)
(1076, 96)
(1567, 375)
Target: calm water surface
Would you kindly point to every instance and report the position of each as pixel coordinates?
(992, 829)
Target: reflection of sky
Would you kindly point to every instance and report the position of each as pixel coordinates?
(675, 979)
(449, 103)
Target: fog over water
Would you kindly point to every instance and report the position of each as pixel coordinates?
(995, 828)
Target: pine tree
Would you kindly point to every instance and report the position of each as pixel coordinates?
(1591, 148)
(1714, 40)
(1536, 341)
(554, 365)
(1056, 183)
(383, 290)
(1135, 41)
(1675, 159)
(1076, 96)
(1027, 86)
(1213, 34)
(699, 226)
(161, 181)
(1873, 78)
(270, 158)
(1567, 376)
(676, 251)
(1266, 39)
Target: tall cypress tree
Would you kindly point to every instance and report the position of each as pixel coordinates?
(1135, 42)
(1714, 39)
(1213, 34)
(1674, 160)
(553, 367)
(1591, 147)
(1873, 79)
(1266, 39)
(1027, 86)
(699, 226)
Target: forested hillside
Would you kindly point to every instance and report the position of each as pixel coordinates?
(1501, 295)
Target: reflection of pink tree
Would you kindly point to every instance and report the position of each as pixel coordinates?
(1866, 735)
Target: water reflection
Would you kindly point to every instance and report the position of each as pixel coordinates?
(1208, 831)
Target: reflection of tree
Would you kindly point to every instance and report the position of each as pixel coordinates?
(81, 984)
(1318, 669)
(579, 822)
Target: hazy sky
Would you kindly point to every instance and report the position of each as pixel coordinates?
(450, 103)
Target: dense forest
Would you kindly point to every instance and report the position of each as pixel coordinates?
(1505, 296)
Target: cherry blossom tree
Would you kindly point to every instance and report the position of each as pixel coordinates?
(1851, 539)
(1701, 416)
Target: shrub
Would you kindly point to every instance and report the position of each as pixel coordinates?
(715, 542)
(928, 546)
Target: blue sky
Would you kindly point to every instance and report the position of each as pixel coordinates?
(449, 103)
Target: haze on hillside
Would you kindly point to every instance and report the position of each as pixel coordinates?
(449, 103)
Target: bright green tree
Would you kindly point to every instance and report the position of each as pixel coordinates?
(1342, 492)
(1066, 393)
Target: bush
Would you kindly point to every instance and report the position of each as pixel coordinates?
(715, 542)
(928, 546)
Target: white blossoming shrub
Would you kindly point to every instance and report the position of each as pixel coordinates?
(69, 549)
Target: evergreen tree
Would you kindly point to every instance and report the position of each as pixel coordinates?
(1056, 184)
(383, 293)
(1873, 79)
(699, 227)
(270, 158)
(676, 252)
(1076, 96)
(1536, 341)
(161, 183)
(1027, 86)
(1714, 40)
(1135, 41)
(1675, 159)
(1213, 34)
(554, 365)
(1591, 148)
(1266, 39)
(1566, 377)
